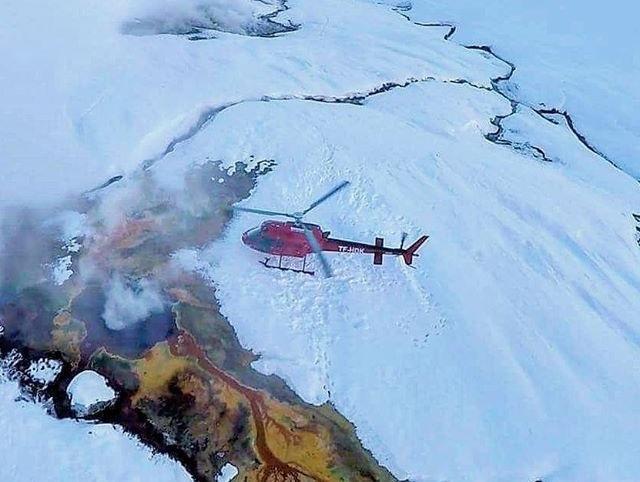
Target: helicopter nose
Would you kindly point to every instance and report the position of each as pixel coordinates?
(249, 237)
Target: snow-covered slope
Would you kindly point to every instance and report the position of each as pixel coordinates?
(577, 56)
(36, 446)
(510, 353)
(119, 100)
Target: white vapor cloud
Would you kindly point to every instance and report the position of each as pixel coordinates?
(175, 16)
(127, 305)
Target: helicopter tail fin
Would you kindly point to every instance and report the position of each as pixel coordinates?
(410, 252)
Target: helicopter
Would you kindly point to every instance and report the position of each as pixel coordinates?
(298, 239)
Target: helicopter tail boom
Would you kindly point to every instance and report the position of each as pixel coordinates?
(378, 249)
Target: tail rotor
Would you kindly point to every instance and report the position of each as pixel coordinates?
(403, 239)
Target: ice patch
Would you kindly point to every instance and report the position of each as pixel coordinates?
(61, 270)
(44, 370)
(89, 393)
(227, 473)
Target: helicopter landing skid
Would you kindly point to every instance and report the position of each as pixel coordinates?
(279, 266)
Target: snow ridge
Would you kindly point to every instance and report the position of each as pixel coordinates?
(497, 137)
(499, 84)
(356, 98)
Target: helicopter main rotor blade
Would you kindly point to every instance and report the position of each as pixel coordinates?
(262, 211)
(326, 196)
(315, 246)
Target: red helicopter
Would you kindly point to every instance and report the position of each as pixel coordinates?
(298, 239)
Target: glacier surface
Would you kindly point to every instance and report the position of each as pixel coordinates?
(510, 352)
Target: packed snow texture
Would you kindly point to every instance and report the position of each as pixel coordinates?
(36, 446)
(79, 119)
(573, 55)
(511, 351)
(89, 392)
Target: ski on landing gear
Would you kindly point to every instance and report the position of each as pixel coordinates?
(279, 266)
